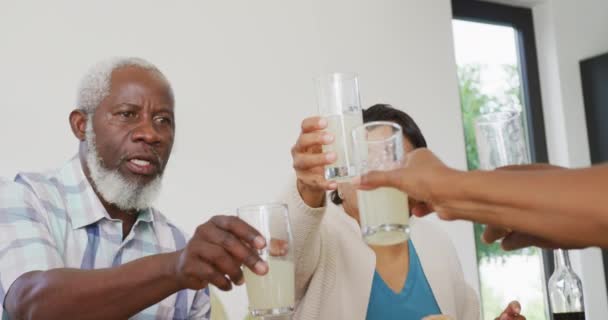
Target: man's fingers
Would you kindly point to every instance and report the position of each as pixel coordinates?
(313, 124)
(517, 240)
(421, 209)
(220, 281)
(240, 229)
(237, 248)
(205, 272)
(493, 233)
(223, 261)
(377, 179)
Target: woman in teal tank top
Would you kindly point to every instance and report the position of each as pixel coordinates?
(400, 289)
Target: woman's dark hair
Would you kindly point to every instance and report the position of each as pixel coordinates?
(386, 112)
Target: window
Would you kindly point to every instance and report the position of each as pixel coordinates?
(497, 69)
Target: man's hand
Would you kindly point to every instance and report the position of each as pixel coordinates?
(514, 240)
(309, 161)
(216, 252)
(422, 177)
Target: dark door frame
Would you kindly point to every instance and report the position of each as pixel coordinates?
(522, 21)
(593, 97)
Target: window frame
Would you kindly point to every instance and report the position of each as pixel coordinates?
(521, 20)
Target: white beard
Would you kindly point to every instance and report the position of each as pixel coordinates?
(112, 186)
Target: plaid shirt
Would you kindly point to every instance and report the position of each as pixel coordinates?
(55, 220)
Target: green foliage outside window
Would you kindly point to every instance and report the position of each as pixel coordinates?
(475, 102)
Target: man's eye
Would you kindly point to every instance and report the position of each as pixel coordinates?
(126, 114)
(163, 120)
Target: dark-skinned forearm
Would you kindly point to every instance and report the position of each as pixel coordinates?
(548, 204)
(114, 293)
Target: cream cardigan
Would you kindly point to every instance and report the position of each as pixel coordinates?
(335, 268)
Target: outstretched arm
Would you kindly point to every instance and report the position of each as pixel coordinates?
(551, 207)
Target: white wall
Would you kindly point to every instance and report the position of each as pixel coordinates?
(242, 73)
(567, 32)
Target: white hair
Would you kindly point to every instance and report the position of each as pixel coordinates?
(95, 85)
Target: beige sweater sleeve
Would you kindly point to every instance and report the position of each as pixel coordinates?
(468, 302)
(472, 309)
(305, 224)
(469, 307)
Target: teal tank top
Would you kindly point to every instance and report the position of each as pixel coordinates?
(415, 301)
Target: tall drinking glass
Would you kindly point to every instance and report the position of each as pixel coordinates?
(340, 105)
(384, 212)
(501, 140)
(271, 295)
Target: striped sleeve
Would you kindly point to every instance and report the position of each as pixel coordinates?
(26, 243)
(201, 306)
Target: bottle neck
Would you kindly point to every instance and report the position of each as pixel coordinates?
(562, 259)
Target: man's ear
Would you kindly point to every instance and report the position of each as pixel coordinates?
(78, 122)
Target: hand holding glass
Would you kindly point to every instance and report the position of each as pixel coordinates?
(272, 294)
(384, 212)
(339, 104)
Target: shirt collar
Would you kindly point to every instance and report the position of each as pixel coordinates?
(82, 203)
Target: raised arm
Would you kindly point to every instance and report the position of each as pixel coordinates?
(306, 198)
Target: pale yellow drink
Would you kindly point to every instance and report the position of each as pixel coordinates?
(341, 127)
(275, 290)
(384, 216)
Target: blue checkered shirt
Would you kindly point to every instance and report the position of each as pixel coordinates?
(55, 220)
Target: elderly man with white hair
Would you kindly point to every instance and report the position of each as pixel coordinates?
(84, 242)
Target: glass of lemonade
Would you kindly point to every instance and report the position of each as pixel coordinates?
(271, 295)
(340, 105)
(383, 212)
